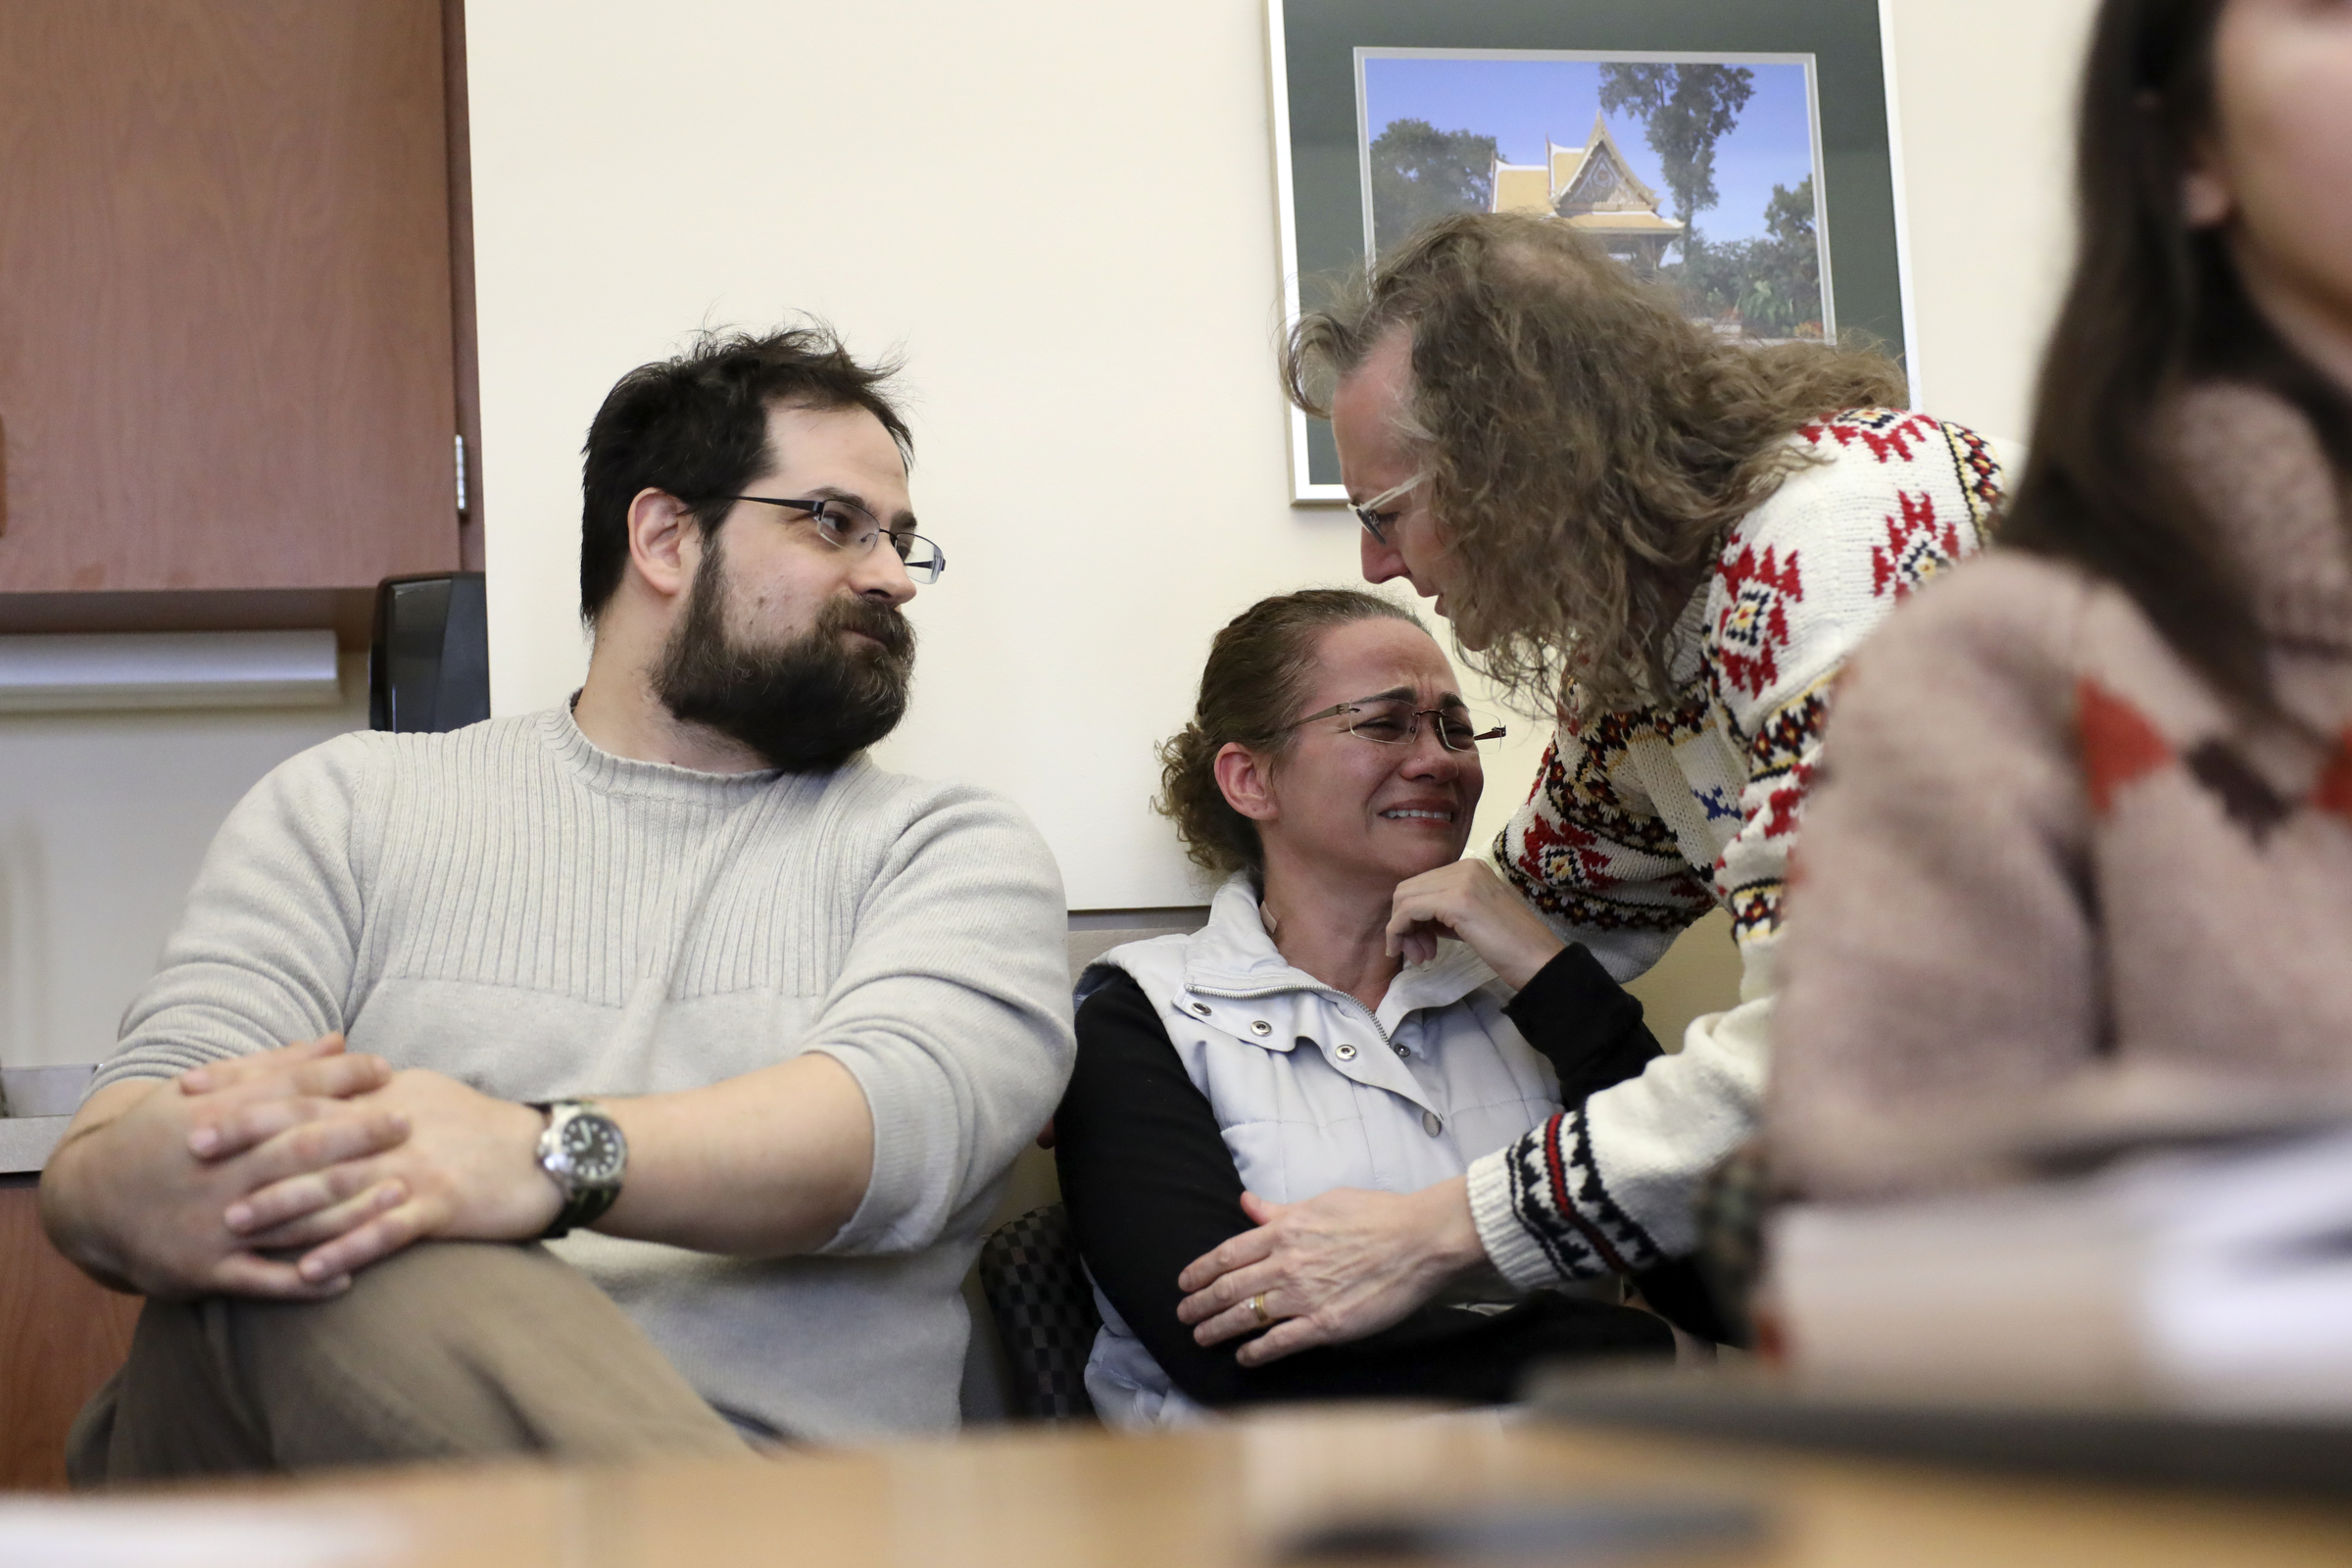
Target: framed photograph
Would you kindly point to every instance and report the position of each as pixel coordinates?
(1737, 151)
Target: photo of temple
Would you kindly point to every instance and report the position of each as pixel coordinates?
(1595, 188)
(1699, 175)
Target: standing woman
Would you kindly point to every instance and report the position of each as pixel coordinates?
(2092, 809)
(1673, 540)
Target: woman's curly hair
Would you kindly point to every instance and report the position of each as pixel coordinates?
(1257, 673)
(1587, 445)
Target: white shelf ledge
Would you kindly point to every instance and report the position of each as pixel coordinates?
(27, 1142)
(62, 673)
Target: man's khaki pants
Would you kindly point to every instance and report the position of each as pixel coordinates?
(447, 1350)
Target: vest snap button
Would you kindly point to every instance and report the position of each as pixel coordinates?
(1261, 1028)
(1201, 1007)
(1345, 1051)
(1431, 1124)
(1401, 1051)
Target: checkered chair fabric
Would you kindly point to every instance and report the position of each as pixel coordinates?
(1044, 1312)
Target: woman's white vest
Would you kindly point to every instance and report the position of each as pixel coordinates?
(1313, 1091)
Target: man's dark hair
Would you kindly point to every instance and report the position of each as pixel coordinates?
(696, 427)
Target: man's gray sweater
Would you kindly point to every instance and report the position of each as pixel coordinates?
(515, 907)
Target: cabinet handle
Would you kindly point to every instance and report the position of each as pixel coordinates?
(3, 478)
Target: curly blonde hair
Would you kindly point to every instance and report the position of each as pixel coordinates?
(1257, 673)
(1587, 445)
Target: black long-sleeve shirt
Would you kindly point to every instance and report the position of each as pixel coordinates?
(1151, 1186)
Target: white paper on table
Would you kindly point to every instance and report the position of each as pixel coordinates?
(2211, 1278)
(99, 1532)
(2247, 1300)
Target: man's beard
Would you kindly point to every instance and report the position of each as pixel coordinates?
(807, 705)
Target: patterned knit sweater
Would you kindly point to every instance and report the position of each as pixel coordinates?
(1642, 820)
(2054, 870)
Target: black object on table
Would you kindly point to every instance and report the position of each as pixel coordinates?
(2291, 1453)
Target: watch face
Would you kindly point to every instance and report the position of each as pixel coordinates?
(594, 1149)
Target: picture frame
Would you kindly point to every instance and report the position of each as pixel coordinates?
(1329, 58)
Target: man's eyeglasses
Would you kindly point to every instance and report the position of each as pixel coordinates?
(1395, 721)
(1376, 522)
(847, 525)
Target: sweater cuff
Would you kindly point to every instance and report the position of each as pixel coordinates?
(889, 1216)
(1511, 1247)
(1572, 985)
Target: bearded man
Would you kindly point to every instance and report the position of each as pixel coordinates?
(633, 1076)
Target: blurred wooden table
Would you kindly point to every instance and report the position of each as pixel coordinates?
(1032, 1499)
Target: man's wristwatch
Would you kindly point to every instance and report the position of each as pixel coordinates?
(584, 1154)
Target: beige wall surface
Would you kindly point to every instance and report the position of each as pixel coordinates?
(1062, 211)
(103, 820)
(1985, 95)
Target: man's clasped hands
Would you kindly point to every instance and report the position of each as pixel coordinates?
(292, 1169)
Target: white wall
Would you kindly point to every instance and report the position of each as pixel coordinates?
(103, 819)
(1985, 90)
(1063, 210)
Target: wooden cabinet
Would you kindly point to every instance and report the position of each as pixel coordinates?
(226, 344)
(61, 1336)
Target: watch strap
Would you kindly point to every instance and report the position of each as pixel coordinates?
(580, 1210)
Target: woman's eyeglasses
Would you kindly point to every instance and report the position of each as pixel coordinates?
(1395, 721)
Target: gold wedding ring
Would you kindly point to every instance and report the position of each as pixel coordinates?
(1257, 1305)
